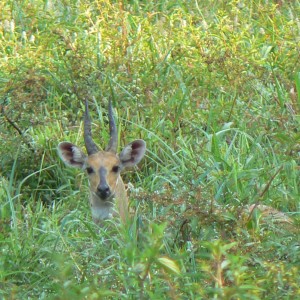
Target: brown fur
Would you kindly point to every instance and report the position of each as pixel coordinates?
(108, 160)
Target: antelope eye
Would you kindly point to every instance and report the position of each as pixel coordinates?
(89, 170)
(115, 169)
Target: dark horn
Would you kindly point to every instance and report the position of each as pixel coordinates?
(90, 146)
(113, 142)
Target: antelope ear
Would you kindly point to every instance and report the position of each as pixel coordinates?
(71, 155)
(133, 153)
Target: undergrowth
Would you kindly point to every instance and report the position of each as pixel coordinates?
(213, 88)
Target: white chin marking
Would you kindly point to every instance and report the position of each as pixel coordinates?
(102, 213)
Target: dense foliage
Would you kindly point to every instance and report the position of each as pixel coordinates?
(213, 88)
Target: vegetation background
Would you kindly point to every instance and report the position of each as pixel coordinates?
(213, 87)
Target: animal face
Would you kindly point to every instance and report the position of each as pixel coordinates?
(103, 167)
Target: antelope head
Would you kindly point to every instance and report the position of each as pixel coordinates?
(103, 168)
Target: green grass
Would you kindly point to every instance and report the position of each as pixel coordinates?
(213, 88)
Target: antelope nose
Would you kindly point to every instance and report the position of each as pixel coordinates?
(103, 191)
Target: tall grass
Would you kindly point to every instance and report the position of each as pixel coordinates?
(213, 88)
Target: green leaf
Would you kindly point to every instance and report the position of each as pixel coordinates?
(169, 264)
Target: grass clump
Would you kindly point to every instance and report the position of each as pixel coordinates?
(213, 88)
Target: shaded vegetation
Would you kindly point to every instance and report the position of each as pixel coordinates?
(213, 88)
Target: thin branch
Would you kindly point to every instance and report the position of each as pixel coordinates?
(11, 122)
(264, 191)
(17, 128)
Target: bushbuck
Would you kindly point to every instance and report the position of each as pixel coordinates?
(108, 195)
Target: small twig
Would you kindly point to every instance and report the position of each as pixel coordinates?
(264, 191)
(231, 109)
(16, 127)
(183, 224)
(11, 122)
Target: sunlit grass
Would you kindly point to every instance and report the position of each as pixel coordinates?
(213, 88)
